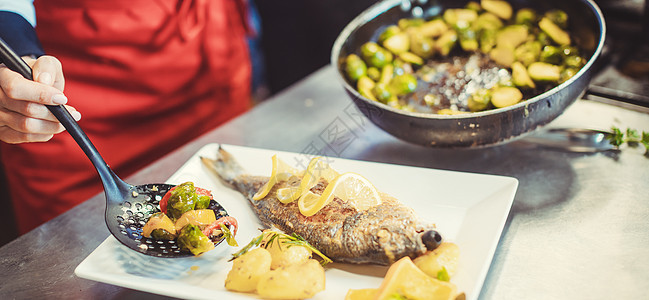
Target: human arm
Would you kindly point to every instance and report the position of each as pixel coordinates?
(23, 115)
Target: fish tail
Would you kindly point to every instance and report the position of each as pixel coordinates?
(225, 167)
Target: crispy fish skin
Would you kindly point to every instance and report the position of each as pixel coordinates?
(380, 235)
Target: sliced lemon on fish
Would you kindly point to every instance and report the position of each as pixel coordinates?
(349, 187)
(317, 169)
(281, 171)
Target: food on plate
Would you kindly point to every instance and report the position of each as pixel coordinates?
(186, 217)
(406, 279)
(379, 234)
(297, 281)
(440, 263)
(247, 269)
(483, 56)
(280, 267)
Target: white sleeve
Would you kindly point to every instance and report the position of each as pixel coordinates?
(25, 8)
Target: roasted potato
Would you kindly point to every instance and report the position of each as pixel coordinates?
(404, 279)
(247, 270)
(443, 257)
(282, 253)
(296, 281)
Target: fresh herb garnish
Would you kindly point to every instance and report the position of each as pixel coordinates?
(631, 137)
(281, 238)
(229, 238)
(443, 275)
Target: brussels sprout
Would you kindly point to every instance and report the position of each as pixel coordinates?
(445, 43)
(161, 234)
(355, 67)
(551, 55)
(540, 71)
(373, 73)
(381, 92)
(487, 40)
(544, 39)
(504, 96)
(191, 238)
(567, 73)
(468, 39)
(500, 8)
(480, 100)
(487, 20)
(472, 5)
(573, 61)
(184, 198)
(375, 55)
(397, 43)
(422, 46)
(528, 52)
(558, 17)
(555, 32)
(388, 32)
(526, 16)
(403, 84)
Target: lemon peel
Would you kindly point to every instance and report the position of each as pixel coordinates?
(352, 188)
(316, 169)
(281, 171)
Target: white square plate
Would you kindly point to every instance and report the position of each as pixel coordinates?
(469, 210)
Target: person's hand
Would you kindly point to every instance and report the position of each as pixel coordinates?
(23, 115)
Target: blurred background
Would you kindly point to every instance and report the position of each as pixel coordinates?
(296, 37)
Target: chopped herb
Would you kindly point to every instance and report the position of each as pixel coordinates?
(443, 275)
(229, 238)
(289, 240)
(631, 137)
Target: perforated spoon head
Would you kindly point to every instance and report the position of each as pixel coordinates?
(126, 217)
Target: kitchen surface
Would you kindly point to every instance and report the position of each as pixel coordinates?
(577, 228)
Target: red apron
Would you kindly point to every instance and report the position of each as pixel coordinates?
(147, 77)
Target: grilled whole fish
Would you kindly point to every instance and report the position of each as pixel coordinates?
(380, 235)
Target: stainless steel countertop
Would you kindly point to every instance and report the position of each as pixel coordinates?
(578, 228)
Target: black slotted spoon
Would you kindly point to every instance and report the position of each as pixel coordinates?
(128, 207)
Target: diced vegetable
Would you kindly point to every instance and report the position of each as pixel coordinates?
(159, 221)
(500, 8)
(520, 77)
(540, 71)
(191, 238)
(355, 67)
(504, 96)
(198, 217)
(554, 32)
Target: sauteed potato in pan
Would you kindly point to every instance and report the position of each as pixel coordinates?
(485, 55)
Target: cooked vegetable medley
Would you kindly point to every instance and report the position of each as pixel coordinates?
(185, 217)
(483, 56)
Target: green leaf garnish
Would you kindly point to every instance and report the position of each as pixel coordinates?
(443, 275)
(631, 137)
(229, 238)
(281, 238)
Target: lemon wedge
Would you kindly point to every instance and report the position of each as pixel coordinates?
(281, 171)
(349, 187)
(316, 169)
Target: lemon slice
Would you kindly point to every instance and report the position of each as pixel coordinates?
(316, 169)
(349, 187)
(281, 171)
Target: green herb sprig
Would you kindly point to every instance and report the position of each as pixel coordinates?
(631, 137)
(281, 238)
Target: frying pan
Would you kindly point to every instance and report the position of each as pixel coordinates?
(478, 129)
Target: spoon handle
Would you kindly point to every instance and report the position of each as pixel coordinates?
(17, 64)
